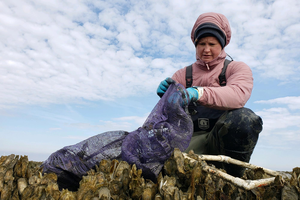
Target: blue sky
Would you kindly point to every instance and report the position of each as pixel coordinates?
(73, 69)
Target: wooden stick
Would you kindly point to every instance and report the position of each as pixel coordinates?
(246, 184)
(227, 159)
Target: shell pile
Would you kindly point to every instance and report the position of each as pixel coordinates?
(181, 179)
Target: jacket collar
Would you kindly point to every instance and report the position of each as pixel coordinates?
(212, 64)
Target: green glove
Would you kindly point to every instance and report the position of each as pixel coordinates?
(195, 93)
(163, 86)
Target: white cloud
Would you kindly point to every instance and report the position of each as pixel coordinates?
(293, 102)
(262, 38)
(279, 118)
(136, 119)
(128, 123)
(76, 138)
(60, 52)
(280, 124)
(55, 129)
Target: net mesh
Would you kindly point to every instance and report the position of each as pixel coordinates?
(167, 127)
(72, 162)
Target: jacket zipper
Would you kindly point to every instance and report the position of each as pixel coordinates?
(207, 66)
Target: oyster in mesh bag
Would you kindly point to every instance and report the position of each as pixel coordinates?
(72, 162)
(167, 127)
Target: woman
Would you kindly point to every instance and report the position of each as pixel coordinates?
(222, 126)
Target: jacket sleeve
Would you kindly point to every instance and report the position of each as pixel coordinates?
(235, 94)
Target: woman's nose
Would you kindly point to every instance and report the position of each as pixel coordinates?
(206, 48)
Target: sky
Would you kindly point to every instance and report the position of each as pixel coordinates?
(72, 69)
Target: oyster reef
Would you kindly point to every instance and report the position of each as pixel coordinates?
(184, 176)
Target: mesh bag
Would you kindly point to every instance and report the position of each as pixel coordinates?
(72, 162)
(167, 127)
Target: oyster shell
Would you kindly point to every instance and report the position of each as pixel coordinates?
(183, 178)
(22, 184)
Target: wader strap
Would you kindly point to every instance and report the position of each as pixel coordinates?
(189, 76)
(222, 77)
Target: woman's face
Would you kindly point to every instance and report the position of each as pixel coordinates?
(208, 48)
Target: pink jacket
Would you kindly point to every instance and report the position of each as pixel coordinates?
(238, 75)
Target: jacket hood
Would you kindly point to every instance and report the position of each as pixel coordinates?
(216, 18)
